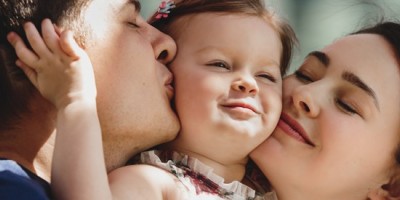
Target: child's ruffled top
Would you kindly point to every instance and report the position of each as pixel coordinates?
(198, 180)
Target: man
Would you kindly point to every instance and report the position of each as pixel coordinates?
(133, 88)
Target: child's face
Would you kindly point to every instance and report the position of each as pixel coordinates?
(227, 80)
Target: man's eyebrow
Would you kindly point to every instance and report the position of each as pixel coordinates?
(137, 5)
(355, 80)
(321, 56)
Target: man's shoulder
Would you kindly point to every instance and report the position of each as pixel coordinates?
(19, 183)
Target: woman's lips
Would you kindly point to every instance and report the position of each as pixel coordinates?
(294, 129)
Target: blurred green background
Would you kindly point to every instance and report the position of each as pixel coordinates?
(319, 22)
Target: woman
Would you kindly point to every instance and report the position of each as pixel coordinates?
(338, 135)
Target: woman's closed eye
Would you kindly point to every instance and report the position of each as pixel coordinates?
(346, 107)
(303, 77)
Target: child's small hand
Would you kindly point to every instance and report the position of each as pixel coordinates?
(57, 66)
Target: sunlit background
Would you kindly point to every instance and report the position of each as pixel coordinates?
(319, 22)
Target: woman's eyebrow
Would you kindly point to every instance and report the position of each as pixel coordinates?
(321, 56)
(347, 76)
(356, 81)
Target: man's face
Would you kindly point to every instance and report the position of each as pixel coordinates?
(133, 83)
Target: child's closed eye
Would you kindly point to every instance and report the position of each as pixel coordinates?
(220, 64)
(268, 77)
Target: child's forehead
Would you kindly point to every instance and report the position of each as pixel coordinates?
(208, 19)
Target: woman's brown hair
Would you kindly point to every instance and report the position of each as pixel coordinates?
(390, 31)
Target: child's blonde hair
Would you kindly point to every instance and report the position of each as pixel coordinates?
(245, 7)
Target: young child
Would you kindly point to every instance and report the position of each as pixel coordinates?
(227, 80)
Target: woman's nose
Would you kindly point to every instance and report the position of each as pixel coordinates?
(305, 101)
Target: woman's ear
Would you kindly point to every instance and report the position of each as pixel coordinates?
(389, 191)
(378, 194)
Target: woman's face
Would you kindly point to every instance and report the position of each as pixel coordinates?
(339, 130)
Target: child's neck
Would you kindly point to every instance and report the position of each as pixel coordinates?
(233, 171)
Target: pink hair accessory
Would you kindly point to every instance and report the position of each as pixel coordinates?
(165, 8)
